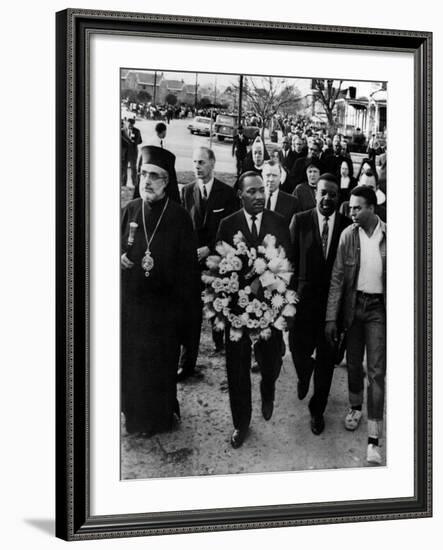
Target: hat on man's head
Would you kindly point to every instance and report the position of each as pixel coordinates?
(158, 157)
(313, 161)
(131, 119)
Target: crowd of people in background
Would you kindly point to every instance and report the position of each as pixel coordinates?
(330, 218)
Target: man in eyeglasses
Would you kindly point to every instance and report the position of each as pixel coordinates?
(172, 189)
(159, 281)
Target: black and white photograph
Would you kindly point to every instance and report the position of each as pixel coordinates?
(253, 273)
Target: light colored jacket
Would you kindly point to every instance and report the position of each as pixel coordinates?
(343, 287)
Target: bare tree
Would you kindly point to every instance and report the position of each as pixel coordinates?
(327, 94)
(267, 96)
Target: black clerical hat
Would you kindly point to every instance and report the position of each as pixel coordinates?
(158, 157)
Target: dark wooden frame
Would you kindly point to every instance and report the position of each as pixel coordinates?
(73, 518)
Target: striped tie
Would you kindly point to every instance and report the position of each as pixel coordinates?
(324, 236)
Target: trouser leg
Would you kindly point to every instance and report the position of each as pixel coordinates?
(217, 337)
(375, 336)
(268, 355)
(124, 170)
(355, 348)
(190, 339)
(133, 169)
(323, 373)
(238, 364)
(302, 343)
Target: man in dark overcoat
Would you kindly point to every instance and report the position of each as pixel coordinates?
(240, 149)
(130, 140)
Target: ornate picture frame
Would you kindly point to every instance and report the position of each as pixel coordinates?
(74, 520)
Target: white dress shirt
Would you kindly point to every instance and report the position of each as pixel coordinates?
(370, 275)
(331, 221)
(257, 220)
(208, 186)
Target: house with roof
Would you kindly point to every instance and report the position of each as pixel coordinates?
(367, 112)
(147, 81)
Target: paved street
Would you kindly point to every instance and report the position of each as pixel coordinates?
(199, 445)
(181, 142)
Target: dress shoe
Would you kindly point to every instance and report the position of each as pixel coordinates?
(183, 374)
(237, 438)
(267, 408)
(317, 424)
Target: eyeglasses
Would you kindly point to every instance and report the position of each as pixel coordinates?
(153, 176)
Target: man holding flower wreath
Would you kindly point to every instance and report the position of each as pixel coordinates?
(253, 244)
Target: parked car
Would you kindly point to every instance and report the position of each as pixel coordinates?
(200, 125)
(225, 127)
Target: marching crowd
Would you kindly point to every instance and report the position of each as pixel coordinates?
(331, 222)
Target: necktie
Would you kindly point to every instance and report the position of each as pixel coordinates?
(324, 237)
(268, 202)
(161, 143)
(203, 201)
(254, 232)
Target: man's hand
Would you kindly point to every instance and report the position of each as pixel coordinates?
(126, 262)
(331, 332)
(202, 253)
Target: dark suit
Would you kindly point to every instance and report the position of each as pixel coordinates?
(312, 275)
(205, 220)
(286, 206)
(267, 353)
(130, 140)
(287, 158)
(305, 195)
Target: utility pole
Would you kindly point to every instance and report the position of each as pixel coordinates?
(155, 88)
(196, 91)
(240, 99)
